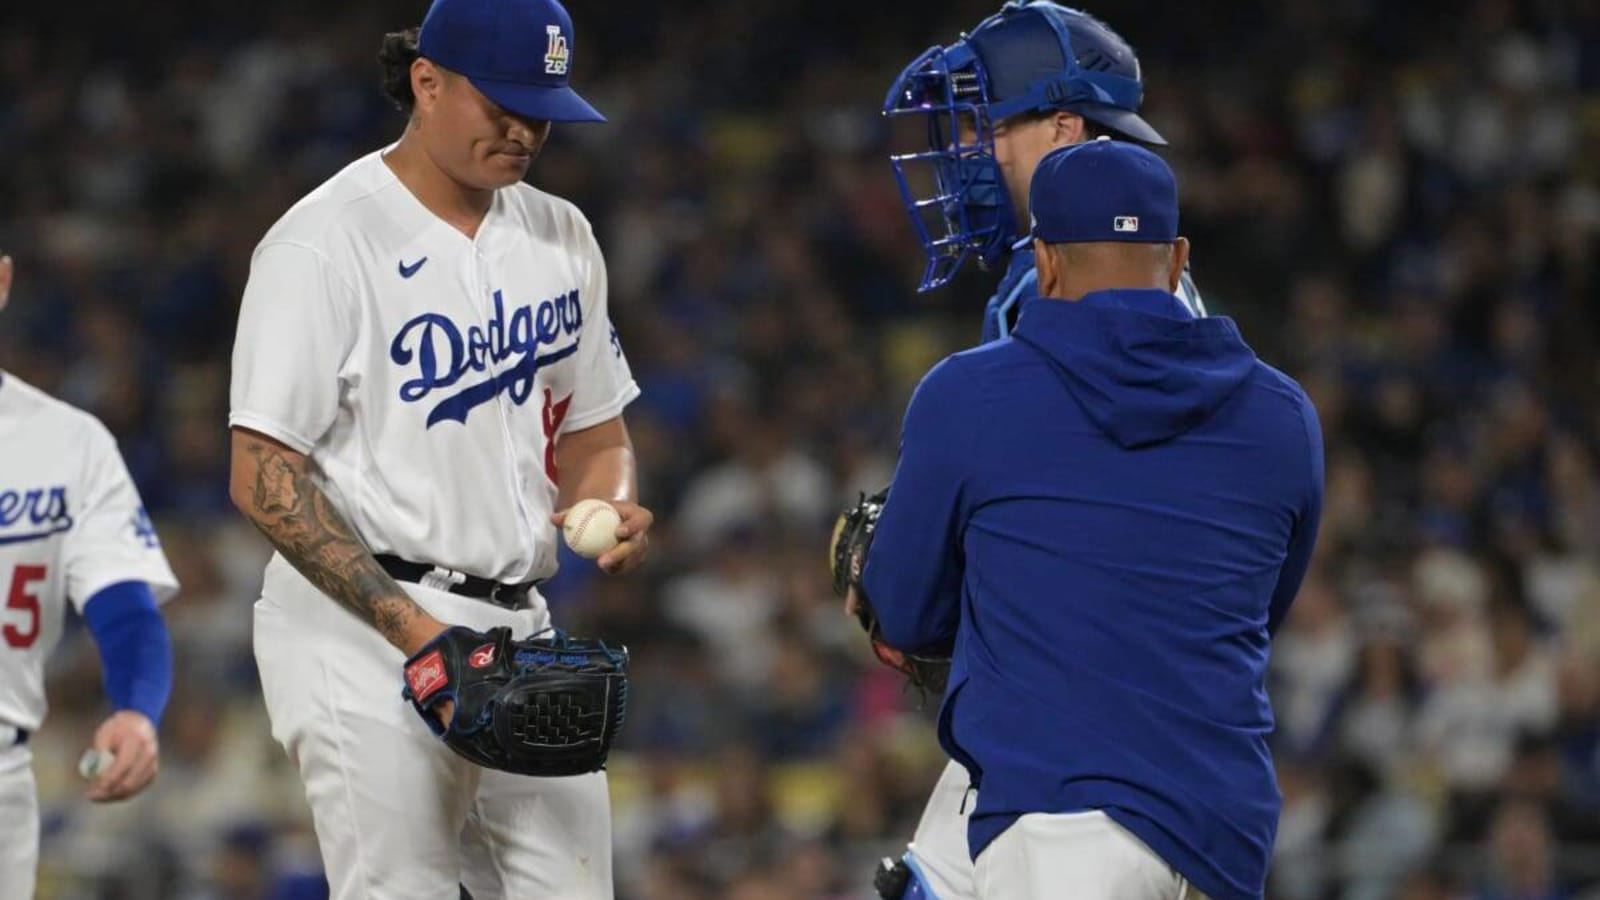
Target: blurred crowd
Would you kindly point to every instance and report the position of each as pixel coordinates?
(1400, 203)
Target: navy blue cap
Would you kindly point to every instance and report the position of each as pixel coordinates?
(515, 52)
(1104, 190)
(1040, 55)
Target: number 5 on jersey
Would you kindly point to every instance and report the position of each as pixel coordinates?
(19, 597)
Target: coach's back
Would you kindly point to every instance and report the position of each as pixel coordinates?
(1138, 481)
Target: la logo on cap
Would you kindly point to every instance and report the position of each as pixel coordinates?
(1125, 223)
(555, 54)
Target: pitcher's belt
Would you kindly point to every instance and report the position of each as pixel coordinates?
(510, 596)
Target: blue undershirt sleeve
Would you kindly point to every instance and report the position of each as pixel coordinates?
(135, 651)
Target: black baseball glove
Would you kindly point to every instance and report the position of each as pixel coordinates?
(847, 557)
(546, 706)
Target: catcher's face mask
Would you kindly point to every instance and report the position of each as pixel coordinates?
(1030, 57)
(952, 187)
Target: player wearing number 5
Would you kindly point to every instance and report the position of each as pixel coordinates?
(72, 529)
(425, 375)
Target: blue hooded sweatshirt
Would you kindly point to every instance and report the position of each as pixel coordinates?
(1109, 512)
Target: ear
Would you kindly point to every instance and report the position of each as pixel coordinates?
(1049, 270)
(1180, 259)
(1066, 129)
(427, 81)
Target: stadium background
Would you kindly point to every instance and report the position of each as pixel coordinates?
(1399, 202)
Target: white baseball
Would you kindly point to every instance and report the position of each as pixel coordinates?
(93, 762)
(591, 527)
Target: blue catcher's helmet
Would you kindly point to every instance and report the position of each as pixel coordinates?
(1031, 56)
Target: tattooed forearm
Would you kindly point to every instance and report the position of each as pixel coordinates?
(274, 489)
(297, 517)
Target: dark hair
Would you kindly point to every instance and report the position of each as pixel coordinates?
(1093, 131)
(1091, 128)
(398, 52)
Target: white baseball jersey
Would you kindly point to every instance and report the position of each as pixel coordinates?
(71, 523)
(427, 374)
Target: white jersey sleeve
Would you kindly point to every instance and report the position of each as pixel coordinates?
(295, 333)
(604, 383)
(112, 539)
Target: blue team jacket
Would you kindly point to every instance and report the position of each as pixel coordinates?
(1110, 511)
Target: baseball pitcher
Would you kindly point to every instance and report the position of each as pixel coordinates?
(425, 374)
(72, 530)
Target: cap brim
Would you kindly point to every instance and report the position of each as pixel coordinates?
(533, 101)
(1126, 123)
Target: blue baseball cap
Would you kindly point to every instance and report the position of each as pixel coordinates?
(1104, 190)
(1040, 55)
(515, 52)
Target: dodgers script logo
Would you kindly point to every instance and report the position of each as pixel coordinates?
(443, 355)
(38, 513)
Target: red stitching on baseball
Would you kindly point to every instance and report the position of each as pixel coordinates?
(583, 525)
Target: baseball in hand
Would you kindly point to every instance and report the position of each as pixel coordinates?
(94, 762)
(591, 527)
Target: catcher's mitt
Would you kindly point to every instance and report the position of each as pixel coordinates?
(544, 706)
(847, 557)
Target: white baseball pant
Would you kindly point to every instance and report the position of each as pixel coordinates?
(397, 814)
(1037, 856)
(1085, 855)
(19, 820)
(940, 842)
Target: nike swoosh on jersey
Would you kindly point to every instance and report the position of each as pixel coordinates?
(408, 271)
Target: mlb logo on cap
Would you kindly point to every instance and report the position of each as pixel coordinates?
(1103, 191)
